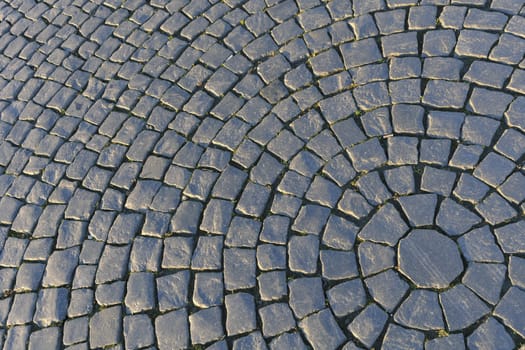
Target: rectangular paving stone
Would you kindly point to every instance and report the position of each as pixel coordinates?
(360, 53)
(239, 268)
(445, 94)
(475, 43)
(400, 44)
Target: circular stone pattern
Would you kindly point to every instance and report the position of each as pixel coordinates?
(429, 259)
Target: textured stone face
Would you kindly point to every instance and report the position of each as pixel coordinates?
(429, 259)
(262, 174)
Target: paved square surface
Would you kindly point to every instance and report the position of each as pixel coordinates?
(262, 174)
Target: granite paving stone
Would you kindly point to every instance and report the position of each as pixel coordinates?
(461, 307)
(291, 174)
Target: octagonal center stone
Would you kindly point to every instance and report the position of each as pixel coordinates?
(429, 259)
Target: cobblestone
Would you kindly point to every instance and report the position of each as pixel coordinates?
(262, 174)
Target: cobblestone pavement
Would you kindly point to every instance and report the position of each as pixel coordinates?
(262, 174)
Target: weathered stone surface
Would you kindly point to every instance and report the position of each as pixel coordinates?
(386, 226)
(240, 313)
(480, 245)
(368, 324)
(429, 259)
(399, 338)
(276, 318)
(421, 310)
(206, 325)
(461, 307)
(444, 94)
(255, 174)
(387, 288)
(455, 219)
(322, 331)
(490, 335)
(105, 327)
(347, 297)
(172, 330)
(420, 209)
(508, 310)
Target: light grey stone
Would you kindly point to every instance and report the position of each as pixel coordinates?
(138, 331)
(207, 253)
(338, 265)
(306, 296)
(322, 330)
(421, 310)
(495, 210)
(420, 258)
(486, 280)
(22, 309)
(287, 341)
(240, 313)
(208, 289)
(251, 341)
(451, 341)
(479, 245)
(374, 258)
(272, 285)
(490, 335)
(105, 327)
(346, 297)
(276, 318)
(172, 290)
(360, 53)
(367, 155)
(455, 219)
(475, 43)
(172, 330)
(399, 338)
(51, 306)
(368, 324)
(516, 269)
(387, 289)
(239, 268)
(445, 94)
(385, 226)
(461, 307)
(303, 252)
(206, 325)
(510, 237)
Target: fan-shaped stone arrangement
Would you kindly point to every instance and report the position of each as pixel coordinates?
(262, 174)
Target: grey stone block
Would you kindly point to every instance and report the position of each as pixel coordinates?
(105, 327)
(486, 280)
(495, 210)
(206, 325)
(322, 330)
(303, 253)
(445, 94)
(475, 43)
(138, 331)
(387, 289)
(276, 318)
(363, 26)
(385, 226)
(360, 53)
(331, 268)
(368, 325)
(490, 334)
(461, 307)
(446, 68)
(398, 337)
(507, 309)
(272, 285)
